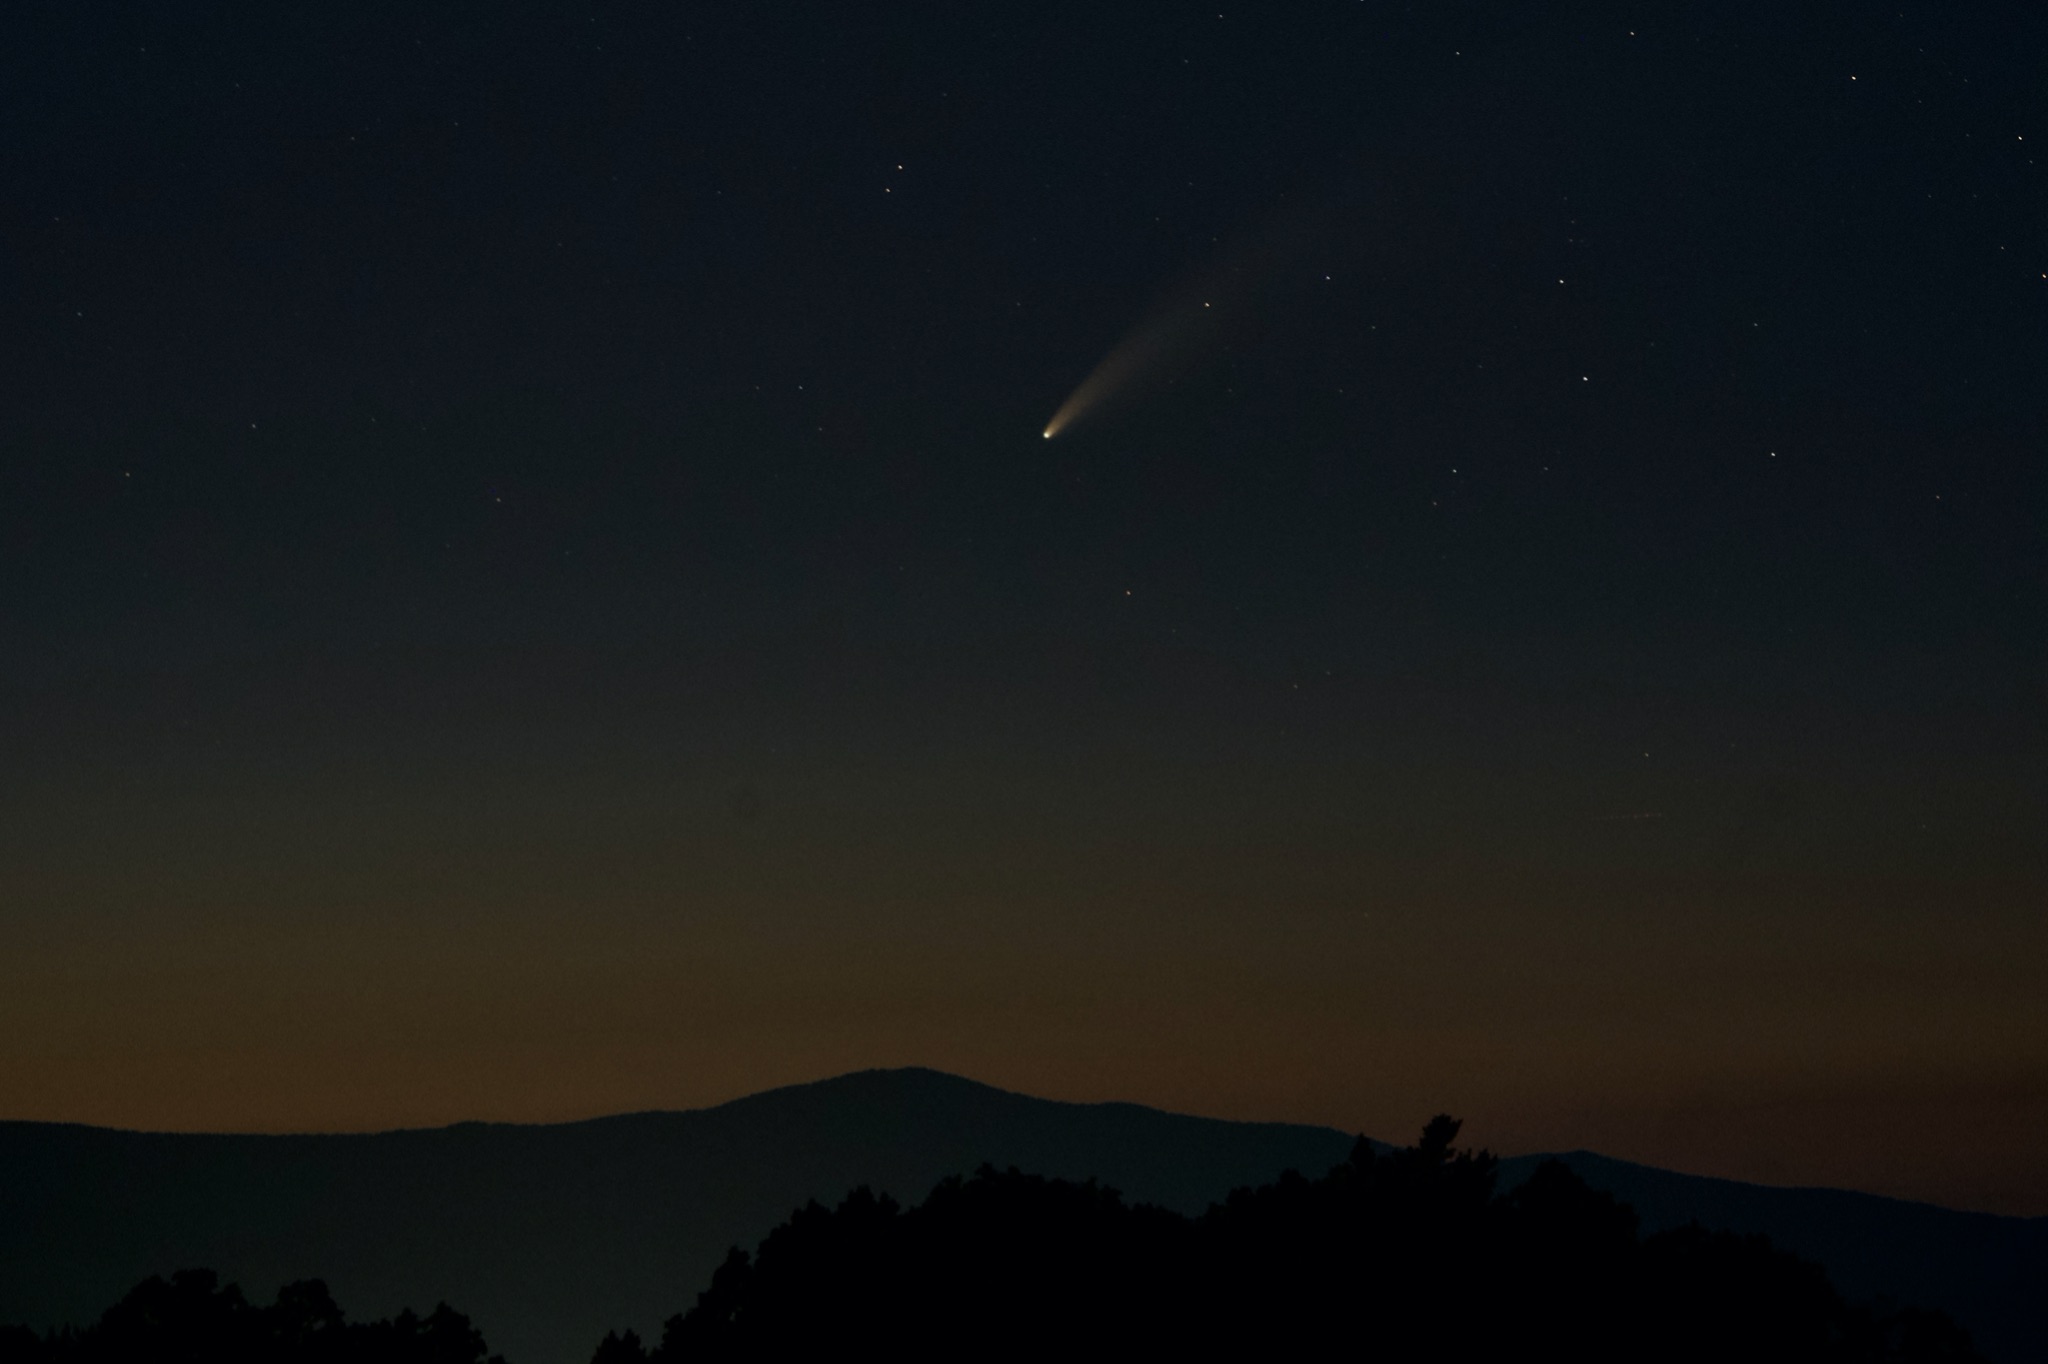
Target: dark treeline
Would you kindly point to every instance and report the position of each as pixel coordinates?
(1412, 1255)
(192, 1317)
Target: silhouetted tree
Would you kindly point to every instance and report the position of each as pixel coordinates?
(19, 1345)
(620, 1349)
(192, 1317)
(1406, 1254)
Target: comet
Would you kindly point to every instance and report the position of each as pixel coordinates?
(1199, 319)
(1153, 349)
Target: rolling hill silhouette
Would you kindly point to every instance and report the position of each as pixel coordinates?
(550, 1235)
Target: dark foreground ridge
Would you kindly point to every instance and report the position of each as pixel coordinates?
(547, 1235)
(1411, 1254)
(1408, 1255)
(550, 1235)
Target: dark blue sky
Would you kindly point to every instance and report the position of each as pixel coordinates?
(530, 582)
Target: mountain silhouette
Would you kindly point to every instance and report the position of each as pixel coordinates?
(1990, 1273)
(550, 1235)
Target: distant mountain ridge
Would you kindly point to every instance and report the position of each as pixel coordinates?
(549, 1235)
(1989, 1272)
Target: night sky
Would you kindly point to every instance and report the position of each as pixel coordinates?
(532, 584)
